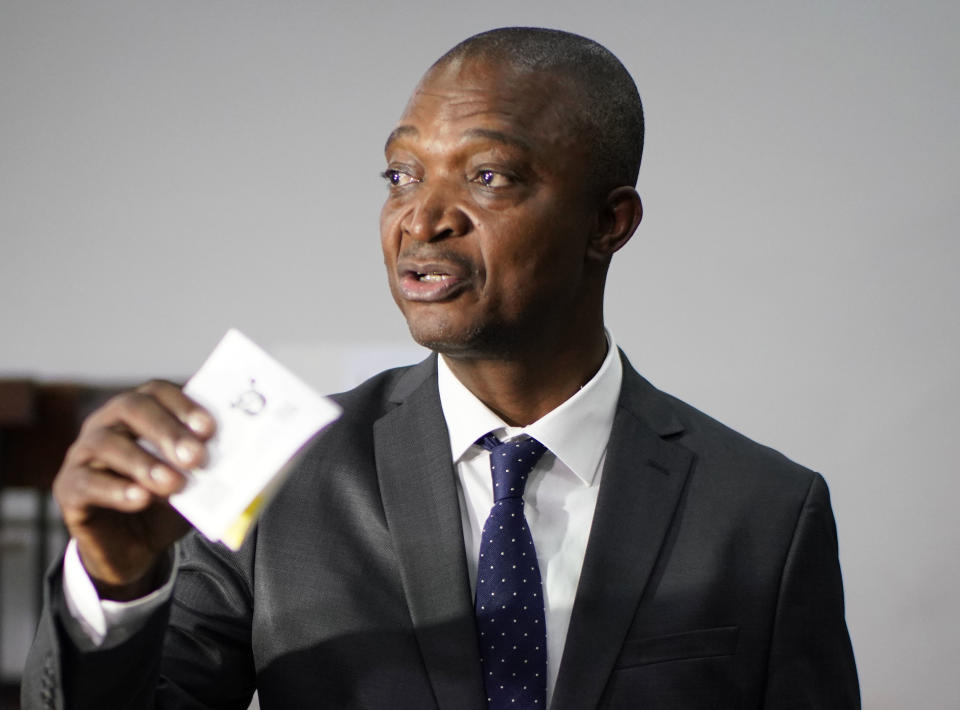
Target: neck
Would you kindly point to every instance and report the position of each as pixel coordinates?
(523, 387)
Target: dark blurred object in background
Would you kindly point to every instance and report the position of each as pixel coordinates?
(38, 421)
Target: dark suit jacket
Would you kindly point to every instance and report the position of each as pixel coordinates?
(710, 580)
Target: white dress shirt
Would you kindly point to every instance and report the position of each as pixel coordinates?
(561, 492)
(560, 497)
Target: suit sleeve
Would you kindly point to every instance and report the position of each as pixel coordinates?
(192, 653)
(811, 659)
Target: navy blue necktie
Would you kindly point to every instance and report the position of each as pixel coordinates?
(509, 602)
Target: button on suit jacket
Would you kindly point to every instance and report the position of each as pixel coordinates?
(710, 580)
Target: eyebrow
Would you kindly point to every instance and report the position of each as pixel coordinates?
(484, 133)
(399, 132)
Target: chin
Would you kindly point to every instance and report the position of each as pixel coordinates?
(461, 342)
(440, 340)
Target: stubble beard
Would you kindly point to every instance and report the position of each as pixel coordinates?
(487, 341)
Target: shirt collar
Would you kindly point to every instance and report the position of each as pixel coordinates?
(576, 432)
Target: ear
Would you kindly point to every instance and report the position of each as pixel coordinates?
(619, 216)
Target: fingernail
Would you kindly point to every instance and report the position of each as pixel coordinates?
(200, 423)
(161, 475)
(135, 494)
(187, 451)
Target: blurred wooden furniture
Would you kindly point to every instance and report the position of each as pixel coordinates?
(38, 421)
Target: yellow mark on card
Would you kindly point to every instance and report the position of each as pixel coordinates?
(236, 532)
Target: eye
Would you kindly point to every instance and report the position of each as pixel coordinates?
(492, 179)
(397, 178)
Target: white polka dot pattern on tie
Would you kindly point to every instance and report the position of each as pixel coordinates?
(509, 602)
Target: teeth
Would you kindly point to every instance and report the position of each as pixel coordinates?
(431, 277)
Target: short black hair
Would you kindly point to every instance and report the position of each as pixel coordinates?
(611, 110)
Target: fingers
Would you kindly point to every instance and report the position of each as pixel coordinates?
(115, 451)
(119, 472)
(195, 417)
(129, 450)
(87, 488)
(161, 415)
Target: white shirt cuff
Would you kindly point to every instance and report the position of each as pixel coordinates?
(107, 622)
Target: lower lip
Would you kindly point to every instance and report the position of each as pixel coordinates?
(413, 288)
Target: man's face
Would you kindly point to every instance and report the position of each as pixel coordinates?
(485, 227)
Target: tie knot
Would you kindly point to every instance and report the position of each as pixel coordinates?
(511, 463)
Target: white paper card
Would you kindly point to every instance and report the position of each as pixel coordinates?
(264, 415)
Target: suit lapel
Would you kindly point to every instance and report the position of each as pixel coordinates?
(417, 482)
(643, 478)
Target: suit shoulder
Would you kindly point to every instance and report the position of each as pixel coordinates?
(747, 480)
(708, 428)
(721, 452)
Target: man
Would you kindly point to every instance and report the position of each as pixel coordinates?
(661, 560)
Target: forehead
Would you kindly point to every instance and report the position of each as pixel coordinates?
(475, 98)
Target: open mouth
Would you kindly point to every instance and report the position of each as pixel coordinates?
(429, 285)
(434, 277)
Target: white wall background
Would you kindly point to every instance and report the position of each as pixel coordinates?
(169, 169)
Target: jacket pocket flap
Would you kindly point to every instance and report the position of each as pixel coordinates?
(702, 643)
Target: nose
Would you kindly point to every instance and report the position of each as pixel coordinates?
(434, 214)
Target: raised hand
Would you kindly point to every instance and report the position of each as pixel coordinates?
(113, 491)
